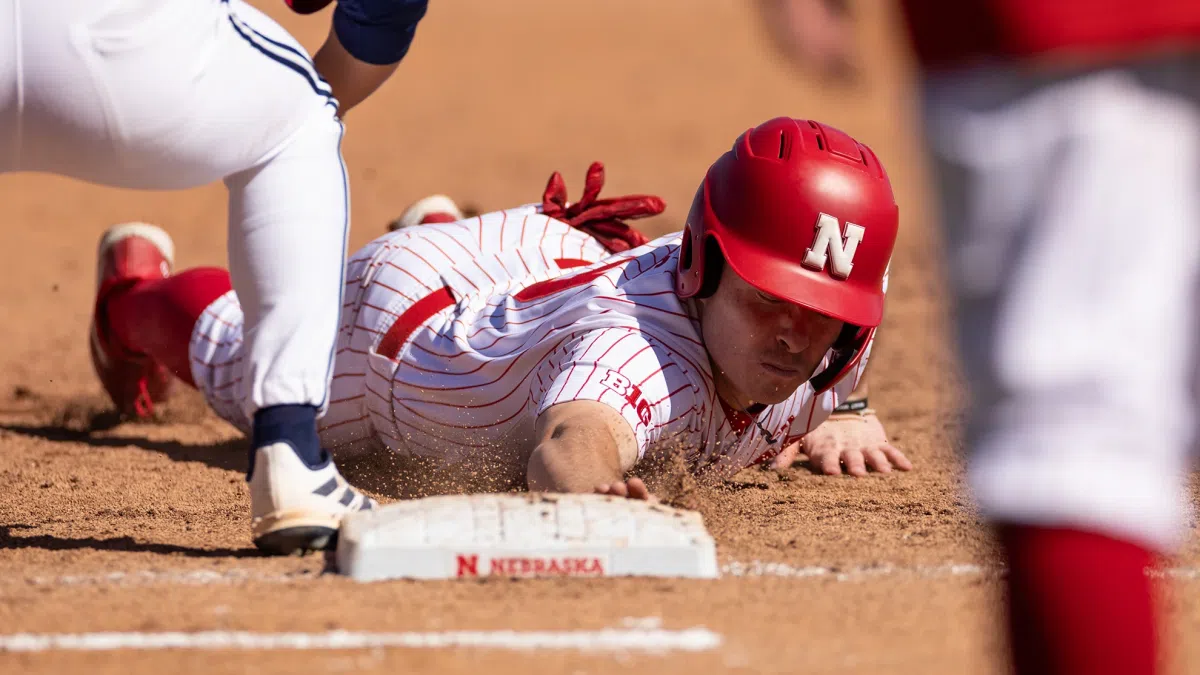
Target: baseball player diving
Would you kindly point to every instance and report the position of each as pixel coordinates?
(553, 347)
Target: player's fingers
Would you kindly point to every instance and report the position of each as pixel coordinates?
(855, 465)
(638, 489)
(614, 489)
(829, 463)
(787, 457)
(876, 459)
(897, 458)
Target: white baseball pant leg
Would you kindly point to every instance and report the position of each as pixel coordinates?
(153, 94)
(1072, 217)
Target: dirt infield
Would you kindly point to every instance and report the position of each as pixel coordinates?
(143, 528)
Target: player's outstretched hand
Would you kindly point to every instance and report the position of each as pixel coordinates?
(853, 443)
(633, 488)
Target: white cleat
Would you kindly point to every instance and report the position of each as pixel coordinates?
(295, 509)
(432, 209)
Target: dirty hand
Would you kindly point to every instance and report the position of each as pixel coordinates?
(856, 442)
(633, 488)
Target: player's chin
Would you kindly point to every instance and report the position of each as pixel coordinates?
(774, 387)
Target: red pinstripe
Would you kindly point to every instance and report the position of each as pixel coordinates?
(379, 309)
(439, 437)
(217, 343)
(413, 251)
(522, 257)
(660, 370)
(670, 395)
(480, 385)
(485, 272)
(410, 274)
(433, 243)
(583, 357)
(465, 278)
(386, 399)
(812, 408)
(457, 243)
(673, 420)
(500, 337)
(488, 425)
(220, 364)
(344, 422)
(227, 385)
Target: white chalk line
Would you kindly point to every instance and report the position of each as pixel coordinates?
(736, 569)
(171, 578)
(758, 568)
(948, 570)
(640, 639)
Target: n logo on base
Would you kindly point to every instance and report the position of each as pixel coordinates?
(831, 247)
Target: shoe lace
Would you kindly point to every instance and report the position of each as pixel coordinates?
(143, 405)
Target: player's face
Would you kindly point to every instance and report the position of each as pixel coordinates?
(762, 348)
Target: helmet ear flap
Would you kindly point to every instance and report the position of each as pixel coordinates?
(847, 350)
(700, 265)
(714, 266)
(847, 338)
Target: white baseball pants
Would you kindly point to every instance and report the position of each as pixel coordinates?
(160, 94)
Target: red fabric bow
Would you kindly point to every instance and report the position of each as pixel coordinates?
(601, 218)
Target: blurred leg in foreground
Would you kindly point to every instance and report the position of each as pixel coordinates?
(1065, 137)
(1071, 211)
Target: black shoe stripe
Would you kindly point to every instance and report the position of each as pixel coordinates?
(347, 497)
(327, 489)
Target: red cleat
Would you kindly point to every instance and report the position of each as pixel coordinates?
(127, 254)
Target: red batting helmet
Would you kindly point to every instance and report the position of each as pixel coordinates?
(801, 211)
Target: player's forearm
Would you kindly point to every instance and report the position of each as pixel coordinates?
(573, 461)
(352, 80)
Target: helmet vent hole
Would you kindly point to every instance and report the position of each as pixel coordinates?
(782, 146)
(820, 143)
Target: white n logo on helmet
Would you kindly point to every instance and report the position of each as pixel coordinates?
(829, 243)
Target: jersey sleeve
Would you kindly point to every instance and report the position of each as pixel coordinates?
(633, 374)
(378, 31)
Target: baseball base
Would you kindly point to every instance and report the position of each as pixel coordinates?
(524, 535)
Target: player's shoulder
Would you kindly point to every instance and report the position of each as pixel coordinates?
(654, 259)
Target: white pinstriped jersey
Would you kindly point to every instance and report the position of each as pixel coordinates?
(524, 334)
